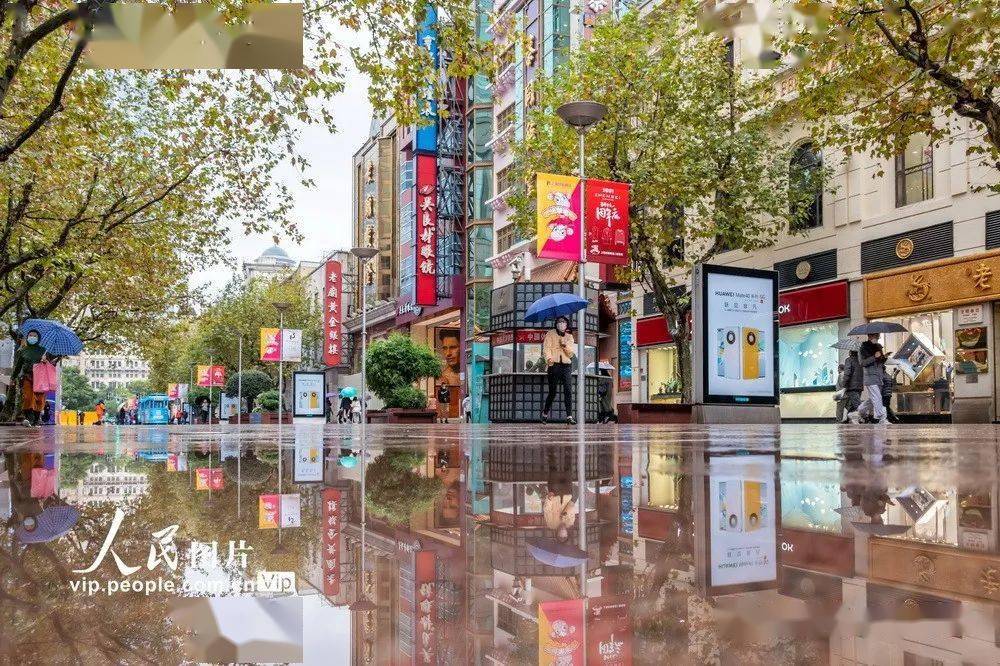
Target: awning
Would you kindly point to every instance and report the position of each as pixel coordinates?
(555, 271)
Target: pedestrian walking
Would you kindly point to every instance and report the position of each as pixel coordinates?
(356, 410)
(557, 348)
(467, 408)
(101, 411)
(444, 402)
(873, 376)
(853, 384)
(28, 355)
(344, 415)
(888, 386)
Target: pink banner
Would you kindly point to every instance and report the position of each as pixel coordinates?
(607, 221)
(426, 247)
(560, 633)
(331, 541)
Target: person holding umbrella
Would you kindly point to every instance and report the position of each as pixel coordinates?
(873, 375)
(853, 383)
(28, 354)
(558, 348)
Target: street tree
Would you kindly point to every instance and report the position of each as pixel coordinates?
(251, 383)
(689, 131)
(871, 73)
(77, 393)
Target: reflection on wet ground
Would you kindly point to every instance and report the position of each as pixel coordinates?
(805, 544)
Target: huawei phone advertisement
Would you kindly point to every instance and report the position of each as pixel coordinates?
(740, 336)
(741, 521)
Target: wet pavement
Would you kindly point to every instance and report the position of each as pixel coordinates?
(804, 544)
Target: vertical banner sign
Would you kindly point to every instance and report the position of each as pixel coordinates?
(173, 392)
(609, 632)
(331, 542)
(560, 633)
(206, 478)
(558, 221)
(267, 512)
(211, 375)
(270, 344)
(182, 391)
(606, 213)
(332, 315)
(290, 510)
(426, 259)
(427, 38)
(625, 354)
(291, 344)
(425, 601)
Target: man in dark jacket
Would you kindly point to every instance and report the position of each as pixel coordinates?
(853, 384)
(873, 366)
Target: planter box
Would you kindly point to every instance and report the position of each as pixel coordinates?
(268, 417)
(654, 412)
(397, 415)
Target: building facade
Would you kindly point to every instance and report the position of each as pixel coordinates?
(107, 371)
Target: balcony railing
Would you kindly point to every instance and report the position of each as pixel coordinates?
(501, 141)
(499, 203)
(504, 80)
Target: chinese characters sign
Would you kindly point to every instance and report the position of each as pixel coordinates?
(331, 541)
(558, 217)
(332, 315)
(211, 375)
(426, 135)
(606, 213)
(560, 633)
(609, 631)
(426, 245)
(425, 600)
(625, 354)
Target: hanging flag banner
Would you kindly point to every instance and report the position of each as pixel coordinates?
(606, 213)
(173, 392)
(332, 315)
(267, 512)
(211, 375)
(609, 631)
(291, 344)
(331, 541)
(560, 633)
(558, 217)
(290, 510)
(270, 344)
(426, 245)
(206, 478)
(427, 130)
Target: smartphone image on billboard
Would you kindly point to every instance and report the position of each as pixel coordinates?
(730, 506)
(753, 505)
(728, 353)
(752, 346)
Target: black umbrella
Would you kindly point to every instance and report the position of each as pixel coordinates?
(878, 327)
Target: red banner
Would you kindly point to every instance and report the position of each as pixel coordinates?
(425, 603)
(606, 213)
(823, 302)
(426, 248)
(206, 478)
(331, 541)
(560, 633)
(211, 375)
(609, 632)
(332, 314)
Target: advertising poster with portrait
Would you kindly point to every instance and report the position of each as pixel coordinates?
(270, 344)
(558, 216)
(737, 324)
(448, 347)
(267, 512)
(914, 355)
(742, 526)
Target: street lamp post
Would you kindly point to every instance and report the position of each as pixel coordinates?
(280, 306)
(364, 254)
(582, 115)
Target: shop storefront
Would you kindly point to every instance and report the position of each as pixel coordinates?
(659, 374)
(810, 320)
(944, 363)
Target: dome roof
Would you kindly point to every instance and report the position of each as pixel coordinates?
(276, 252)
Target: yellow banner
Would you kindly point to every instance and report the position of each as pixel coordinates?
(558, 217)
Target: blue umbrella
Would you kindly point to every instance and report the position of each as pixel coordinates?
(561, 555)
(50, 524)
(554, 305)
(348, 461)
(348, 392)
(57, 339)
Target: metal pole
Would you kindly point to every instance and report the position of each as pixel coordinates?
(239, 423)
(239, 384)
(364, 415)
(190, 388)
(581, 367)
(281, 400)
(211, 381)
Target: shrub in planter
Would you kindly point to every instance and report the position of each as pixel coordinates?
(397, 362)
(255, 382)
(394, 491)
(268, 401)
(407, 397)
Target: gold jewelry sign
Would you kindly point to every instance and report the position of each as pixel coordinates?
(196, 36)
(935, 285)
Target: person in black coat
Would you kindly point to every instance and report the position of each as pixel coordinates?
(853, 383)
